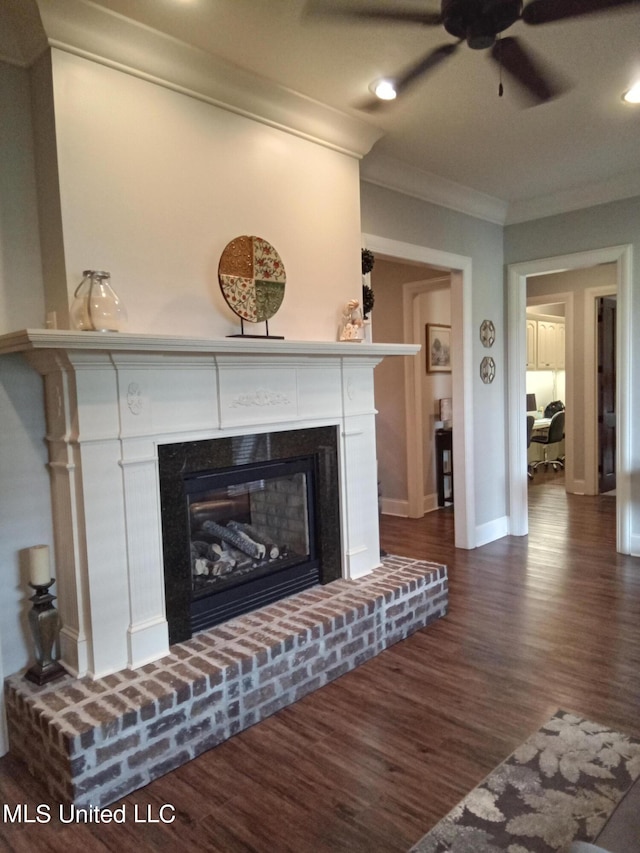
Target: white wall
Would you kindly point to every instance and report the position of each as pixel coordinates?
(154, 184)
(547, 385)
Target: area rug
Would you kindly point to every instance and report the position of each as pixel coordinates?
(560, 785)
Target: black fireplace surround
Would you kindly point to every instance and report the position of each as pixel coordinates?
(190, 470)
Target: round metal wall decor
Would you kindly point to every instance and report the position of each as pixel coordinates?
(487, 333)
(252, 278)
(487, 370)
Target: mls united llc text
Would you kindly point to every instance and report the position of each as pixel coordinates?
(44, 813)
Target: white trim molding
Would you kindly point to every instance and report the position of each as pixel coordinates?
(397, 508)
(492, 530)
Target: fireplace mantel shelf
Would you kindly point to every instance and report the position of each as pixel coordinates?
(60, 339)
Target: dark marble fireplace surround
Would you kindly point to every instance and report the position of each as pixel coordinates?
(179, 460)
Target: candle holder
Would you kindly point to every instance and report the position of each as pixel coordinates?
(44, 621)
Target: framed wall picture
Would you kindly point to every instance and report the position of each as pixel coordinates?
(438, 348)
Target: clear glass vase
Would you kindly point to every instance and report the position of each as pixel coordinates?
(96, 306)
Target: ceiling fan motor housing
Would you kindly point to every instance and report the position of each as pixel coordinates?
(479, 21)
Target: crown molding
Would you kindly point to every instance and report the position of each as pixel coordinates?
(93, 32)
(622, 186)
(392, 174)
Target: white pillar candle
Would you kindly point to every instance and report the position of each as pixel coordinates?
(39, 568)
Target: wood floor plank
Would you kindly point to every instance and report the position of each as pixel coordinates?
(370, 762)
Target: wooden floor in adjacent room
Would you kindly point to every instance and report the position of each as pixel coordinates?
(372, 761)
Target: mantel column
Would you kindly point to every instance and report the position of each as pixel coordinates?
(359, 471)
(88, 508)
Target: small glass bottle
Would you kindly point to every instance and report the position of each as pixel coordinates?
(96, 306)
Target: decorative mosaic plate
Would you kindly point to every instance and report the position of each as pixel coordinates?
(252, 278)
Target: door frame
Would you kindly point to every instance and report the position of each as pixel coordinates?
(517, 301)
(462, 403)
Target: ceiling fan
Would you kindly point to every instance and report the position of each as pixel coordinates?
(480, 24)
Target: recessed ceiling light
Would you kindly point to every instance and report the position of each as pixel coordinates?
(632, 96)
(383, 89)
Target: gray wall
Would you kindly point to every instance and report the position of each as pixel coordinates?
(25, 514)
(389, 214)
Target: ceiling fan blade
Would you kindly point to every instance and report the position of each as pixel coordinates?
(318, 8)
(424, 65)
(547, 11)
(536, 80)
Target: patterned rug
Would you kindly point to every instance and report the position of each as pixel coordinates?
(560, 785)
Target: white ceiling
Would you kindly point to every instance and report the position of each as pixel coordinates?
(581, 148)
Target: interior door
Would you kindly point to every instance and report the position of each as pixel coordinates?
(606, 393)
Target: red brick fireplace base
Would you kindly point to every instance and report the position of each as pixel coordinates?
(93, 742)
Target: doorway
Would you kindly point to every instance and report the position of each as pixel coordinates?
(517, 278)
(549, 384)
(459, 268)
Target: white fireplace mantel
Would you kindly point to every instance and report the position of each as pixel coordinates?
(111, 399)
(61, 339)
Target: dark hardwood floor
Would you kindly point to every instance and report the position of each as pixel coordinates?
(372, 761)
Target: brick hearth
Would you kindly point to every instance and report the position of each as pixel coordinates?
(94, 741)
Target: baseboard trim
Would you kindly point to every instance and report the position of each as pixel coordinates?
(491, 531)
(390, 506)
(576, 487)
(430, 503)
(634, 545)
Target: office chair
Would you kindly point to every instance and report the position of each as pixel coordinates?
(553, 436)
(530, 422)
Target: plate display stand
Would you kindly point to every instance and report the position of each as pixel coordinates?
(244, 334)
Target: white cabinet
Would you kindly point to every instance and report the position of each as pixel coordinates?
(545, 344)
(532, 344)
(547, 340)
